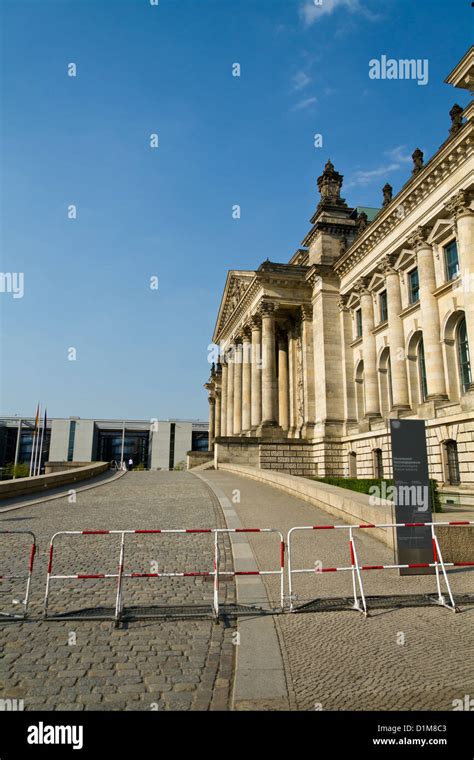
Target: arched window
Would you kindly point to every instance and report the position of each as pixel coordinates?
(463, 356)
(422, 370)
(378, 463)
(352, 464)
(452, 463)
(385, 382)
(359, 387)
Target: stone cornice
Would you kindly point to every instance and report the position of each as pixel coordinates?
(452, 153)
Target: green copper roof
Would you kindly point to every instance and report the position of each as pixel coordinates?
(371, 212)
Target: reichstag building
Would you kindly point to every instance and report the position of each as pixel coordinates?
(371, 319)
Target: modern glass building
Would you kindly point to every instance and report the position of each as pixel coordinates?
(153, 444)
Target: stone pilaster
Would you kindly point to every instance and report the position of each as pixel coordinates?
(256, 372)
(309, 393)
(212, 421)
(347, 361)
(327, 354)
(223, 428)
(230, 393)
(396, 338)
(371, 386)
(283, 382)
(430, 324)
(269, 388)
(237, 425)
(217, 422)
(460, 208)
(246, 380)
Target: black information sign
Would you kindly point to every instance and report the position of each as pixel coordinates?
(411, 494)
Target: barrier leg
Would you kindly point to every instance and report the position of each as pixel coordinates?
(48, 576)
(438, 560)
(216, 577)
(356, 574)
(282, 569)
(30, 572)
(119, 603)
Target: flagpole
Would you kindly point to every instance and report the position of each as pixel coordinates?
(41, 447)
(33, 441)
(38, 436)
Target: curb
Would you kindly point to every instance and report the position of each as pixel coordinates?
(260, 677)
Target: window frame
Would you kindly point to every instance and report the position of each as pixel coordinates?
(412, 300)
(451, 277)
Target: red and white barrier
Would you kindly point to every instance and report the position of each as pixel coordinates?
(216, 572)
(25, 576)
(356, 569)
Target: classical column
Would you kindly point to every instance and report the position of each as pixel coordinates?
(225, 370)
(460, 208)
(246, 379)
(396, 338)
(347, 361)
(283, 382)
(230, 393)
(256, 372)
(212, 418)
(269, 396)
(217, 422)
(237, 428)
(309, 391)
(435, 378)
(372, 401)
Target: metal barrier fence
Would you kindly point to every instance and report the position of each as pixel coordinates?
(355, 568)
(216, 572)
(26, 576)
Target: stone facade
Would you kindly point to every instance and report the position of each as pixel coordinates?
(371, 319)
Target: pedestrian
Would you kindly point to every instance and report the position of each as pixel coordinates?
(130, 463)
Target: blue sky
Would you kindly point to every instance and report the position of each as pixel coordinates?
(167, 212)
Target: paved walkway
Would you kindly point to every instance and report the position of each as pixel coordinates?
(397, 659)
(80, 664)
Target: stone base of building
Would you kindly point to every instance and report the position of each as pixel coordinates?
(352, 454)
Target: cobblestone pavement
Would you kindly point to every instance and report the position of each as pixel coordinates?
(82, 664)
(337, 660)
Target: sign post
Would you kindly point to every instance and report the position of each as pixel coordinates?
(411, 494)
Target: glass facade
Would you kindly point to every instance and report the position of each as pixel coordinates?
(413, 286)
(135, 446)
(200, 440)
(451, 260)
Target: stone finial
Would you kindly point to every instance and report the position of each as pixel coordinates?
(456, 118)
(417, 157)
(329, 184)
(387, 191)
(362, 221)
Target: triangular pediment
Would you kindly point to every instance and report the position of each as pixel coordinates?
(236, 286)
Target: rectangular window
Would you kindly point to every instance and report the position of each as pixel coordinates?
(72, 436)
(383, 306)
(413, 286)
(172, 442)
(358, 316)
(451, 260)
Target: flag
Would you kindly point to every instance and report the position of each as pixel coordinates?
(34, 439)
